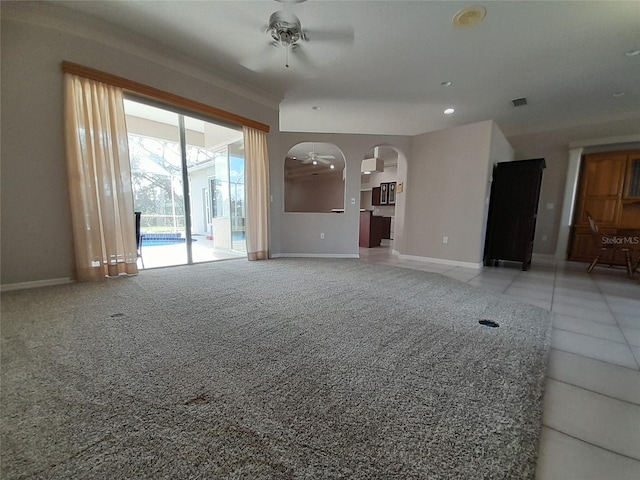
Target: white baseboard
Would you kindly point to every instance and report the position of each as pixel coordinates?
(35, 284)
(315, 255)
(443, 261)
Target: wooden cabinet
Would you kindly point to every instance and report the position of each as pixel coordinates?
(373, 229)
(513, 209)
(610, 191)
(375, 196)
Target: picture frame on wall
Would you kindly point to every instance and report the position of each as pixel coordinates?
(392, 193)
(384, 193)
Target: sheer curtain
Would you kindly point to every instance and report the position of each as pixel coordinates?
(99, 179)
(257, 193)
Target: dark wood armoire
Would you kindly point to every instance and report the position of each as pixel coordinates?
(513, 209)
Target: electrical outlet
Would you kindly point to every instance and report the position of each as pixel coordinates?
(445, 239)
(322, 236)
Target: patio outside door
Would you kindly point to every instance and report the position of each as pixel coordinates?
(176, 157)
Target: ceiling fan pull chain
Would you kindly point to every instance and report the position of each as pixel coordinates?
(286, 64)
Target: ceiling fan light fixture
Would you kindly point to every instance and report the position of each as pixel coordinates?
(285, 28)
(449, 111)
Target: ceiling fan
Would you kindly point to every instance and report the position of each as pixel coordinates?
(286, 32)
(316, 158)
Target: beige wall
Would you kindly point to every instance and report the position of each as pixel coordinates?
(299, 233)
(446, 191)
(35, 217)
(318, 194)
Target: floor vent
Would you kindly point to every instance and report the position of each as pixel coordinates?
(519, 102)
(489, 323)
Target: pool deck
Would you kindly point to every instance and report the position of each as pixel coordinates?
(203, 250)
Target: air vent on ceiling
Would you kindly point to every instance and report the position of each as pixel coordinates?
(519, 102)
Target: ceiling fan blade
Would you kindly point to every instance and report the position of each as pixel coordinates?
(298, 53)
(343, 35)
(327, 157)
(261, 61)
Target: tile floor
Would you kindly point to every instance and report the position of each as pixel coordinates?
(591, 412)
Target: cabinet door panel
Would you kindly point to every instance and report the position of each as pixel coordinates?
(630, 215)
(603, 210)
(582, 246)
(604, 175)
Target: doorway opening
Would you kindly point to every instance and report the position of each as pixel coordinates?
(188, 183)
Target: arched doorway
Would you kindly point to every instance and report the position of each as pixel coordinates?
(381, 193)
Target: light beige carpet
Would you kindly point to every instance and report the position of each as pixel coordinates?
(271, 370)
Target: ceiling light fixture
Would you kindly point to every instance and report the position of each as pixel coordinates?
(315, 162)
(332, 166)
(315, 107)
(373, 164)
(449, 111)
(446, 84)
(632, 53)
(468, 17)
(618, 94)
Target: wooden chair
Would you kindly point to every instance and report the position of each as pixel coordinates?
(139, 238)
(607, 242)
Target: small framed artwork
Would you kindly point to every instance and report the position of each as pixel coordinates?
(384, 194)
(392, 193)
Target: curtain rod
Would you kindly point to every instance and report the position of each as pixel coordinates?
(155, 93)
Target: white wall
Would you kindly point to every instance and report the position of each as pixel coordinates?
(36, 224)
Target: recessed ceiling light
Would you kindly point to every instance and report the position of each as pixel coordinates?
(446, 84)
(632, 53)
(315, 107)
(618, 94)
(448, 111)
(468, 17)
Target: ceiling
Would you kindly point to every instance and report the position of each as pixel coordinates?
(378, 66)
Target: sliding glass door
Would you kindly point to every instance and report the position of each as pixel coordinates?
(176, 157)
